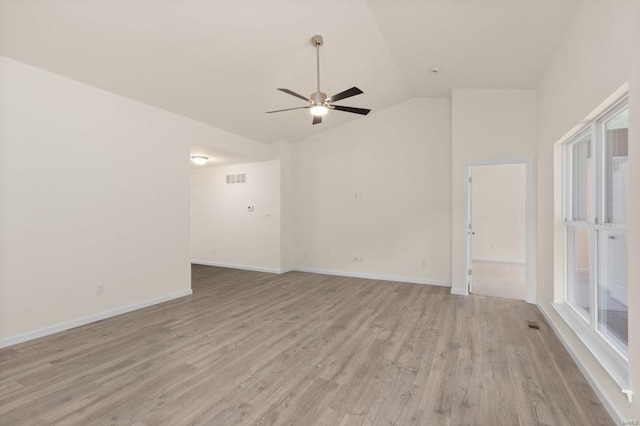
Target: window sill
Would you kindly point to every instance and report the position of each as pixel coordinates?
(614, 364)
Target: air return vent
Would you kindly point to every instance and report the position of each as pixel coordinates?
(239, 178)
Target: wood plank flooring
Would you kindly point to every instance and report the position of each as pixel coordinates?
(301, 349)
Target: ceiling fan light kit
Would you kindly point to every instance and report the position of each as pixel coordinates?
(319, 103)
(318, 110)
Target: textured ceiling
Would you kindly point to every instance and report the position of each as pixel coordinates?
(220, 62)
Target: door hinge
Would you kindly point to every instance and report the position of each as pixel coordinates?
(470, 272)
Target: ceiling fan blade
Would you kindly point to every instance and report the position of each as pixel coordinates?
(317, 119)
(362, 111)
(288, 109)
(294, 94)
(346, 94)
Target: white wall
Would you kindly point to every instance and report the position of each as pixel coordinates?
(283, 151)
(223, 231)
(487, 125)
(598, 54)
(398, 159)
(499, 201)
(94, 190)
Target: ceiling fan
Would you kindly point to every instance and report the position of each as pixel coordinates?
(319, 103)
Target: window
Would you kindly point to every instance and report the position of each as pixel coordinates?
(595, 205)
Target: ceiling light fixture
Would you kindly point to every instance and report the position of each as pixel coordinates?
(199, 160)
(319, 110)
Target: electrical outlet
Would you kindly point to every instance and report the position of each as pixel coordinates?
(358, 259)
(100, 289)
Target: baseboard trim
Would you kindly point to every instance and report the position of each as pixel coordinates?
(497, 260)
(46, 331)
(374, 276)
(604, 399)
(459, 292)
(243, 267)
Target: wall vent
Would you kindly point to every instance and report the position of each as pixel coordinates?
(238, 178)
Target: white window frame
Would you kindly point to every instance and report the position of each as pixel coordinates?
(575, 224)
(613, 359)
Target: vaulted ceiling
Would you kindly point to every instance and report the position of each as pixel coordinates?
(220, 61)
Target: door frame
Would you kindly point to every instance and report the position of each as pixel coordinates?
(530, 296)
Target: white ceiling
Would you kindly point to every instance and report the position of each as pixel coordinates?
(220, 62)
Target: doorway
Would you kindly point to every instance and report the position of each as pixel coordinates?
(498, 230)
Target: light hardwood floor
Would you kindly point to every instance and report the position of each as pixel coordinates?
(301, 349)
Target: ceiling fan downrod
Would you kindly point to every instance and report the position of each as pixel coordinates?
(317, 41)
(318, 98)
